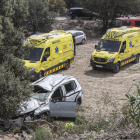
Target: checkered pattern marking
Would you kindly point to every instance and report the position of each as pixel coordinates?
(128, 61)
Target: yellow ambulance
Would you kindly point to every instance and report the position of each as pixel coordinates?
(117, 47)
(52, 51)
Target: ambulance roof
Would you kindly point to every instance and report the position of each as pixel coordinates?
(54, 36)
(118, 33)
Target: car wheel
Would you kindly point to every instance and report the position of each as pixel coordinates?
(137, 59)
(83, 41)
(79, 101)
(40, 74)
(94, 68)
(91, 18)
(67, 65)
(78, 104)
(1, 127)
(76, 17)
(42, 116)
(116, 68)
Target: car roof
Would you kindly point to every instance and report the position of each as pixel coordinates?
(76, 8)
(128, 18)
(50, 81)
(74, 31)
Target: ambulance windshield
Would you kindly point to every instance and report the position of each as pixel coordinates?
(109, 45)
(34, 55)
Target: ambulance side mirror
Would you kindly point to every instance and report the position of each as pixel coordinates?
(95, 46)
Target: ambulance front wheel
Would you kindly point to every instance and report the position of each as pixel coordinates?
(137, 59)
(67, 65)
(116, 68)
(94, 68)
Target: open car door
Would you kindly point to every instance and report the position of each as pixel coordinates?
(62, 109)
(59, 107)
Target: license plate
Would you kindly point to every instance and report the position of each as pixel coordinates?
(99, 66)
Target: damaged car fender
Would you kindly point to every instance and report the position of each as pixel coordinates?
(28, 106)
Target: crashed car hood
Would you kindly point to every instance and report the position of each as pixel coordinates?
(28, 106)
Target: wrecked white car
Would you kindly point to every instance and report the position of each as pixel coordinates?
(57, 94)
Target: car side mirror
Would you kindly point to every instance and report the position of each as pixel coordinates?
(44, 58)
(95, 46)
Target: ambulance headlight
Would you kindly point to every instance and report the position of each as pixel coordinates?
(32, 69)
(111, 60)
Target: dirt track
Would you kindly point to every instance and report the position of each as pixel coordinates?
(99, 84)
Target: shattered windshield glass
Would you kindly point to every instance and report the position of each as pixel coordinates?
(108, 45)
(40, 94)
(35, 54)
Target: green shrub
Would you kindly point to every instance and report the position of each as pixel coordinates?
(80, 120)
(41, 134)
(133, 105)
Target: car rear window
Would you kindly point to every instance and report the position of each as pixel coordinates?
(79, 33)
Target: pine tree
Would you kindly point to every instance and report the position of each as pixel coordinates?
(14, 78)
(40, 18)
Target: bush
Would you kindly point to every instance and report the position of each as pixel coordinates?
(133, 104)
(41, 134)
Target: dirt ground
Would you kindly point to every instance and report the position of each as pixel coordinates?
(100, 85)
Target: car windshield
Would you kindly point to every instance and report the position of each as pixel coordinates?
(108, 45)
(40, 94)
(35, 54)
(118, 23)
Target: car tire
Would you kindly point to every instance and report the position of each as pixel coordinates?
(94, 68)
(83, 41)
(116, 68)
(79, 101)
(67, 65)
(76, 17)
(137, 59)
(40, 74)
(91, 18)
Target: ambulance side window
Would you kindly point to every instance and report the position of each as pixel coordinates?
(123, 47)
(46, 54)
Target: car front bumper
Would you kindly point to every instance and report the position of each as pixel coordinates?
(104, 66)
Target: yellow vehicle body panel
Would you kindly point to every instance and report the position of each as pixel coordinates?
(118, 46)
(51, 52)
